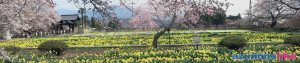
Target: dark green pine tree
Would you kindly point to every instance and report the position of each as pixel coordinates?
(93, 22)
(239, 16)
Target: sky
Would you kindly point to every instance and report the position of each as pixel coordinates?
(239, 6)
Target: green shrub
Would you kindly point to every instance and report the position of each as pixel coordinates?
(233, 42)
(295, 40)
(55, 46)
(12, 49)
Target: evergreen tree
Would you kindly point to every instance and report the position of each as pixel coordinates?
(93, 22)
(239, 16)
(114, 23)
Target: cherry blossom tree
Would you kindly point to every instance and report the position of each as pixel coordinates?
(162, 14)
(201, 12)
(18, 16)
(272, 9)
(143, 18)
(293, 4)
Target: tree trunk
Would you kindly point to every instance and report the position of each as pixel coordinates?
(157, 35)
(274, 22)
(168, 28)
(28, 34)
(7, 35)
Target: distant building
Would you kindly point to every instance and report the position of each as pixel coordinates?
(67, 23)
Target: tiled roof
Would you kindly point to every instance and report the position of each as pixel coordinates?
(69, 17)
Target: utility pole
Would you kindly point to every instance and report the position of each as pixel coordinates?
(83, 14)
(250, 10)
(132, 9)
(82, 17)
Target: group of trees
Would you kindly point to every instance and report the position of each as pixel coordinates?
(26, 16)
(231, 17)
(29, 15)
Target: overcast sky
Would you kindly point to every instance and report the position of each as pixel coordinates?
(239, 6)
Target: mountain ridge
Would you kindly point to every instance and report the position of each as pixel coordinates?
(118, 10)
